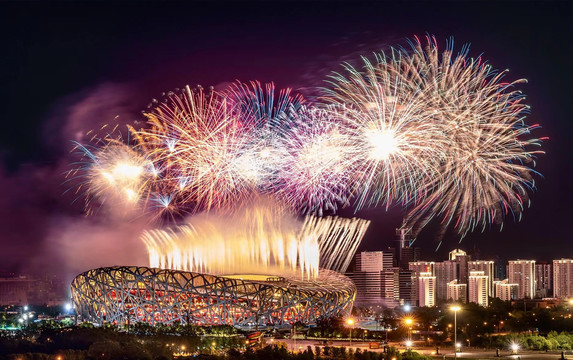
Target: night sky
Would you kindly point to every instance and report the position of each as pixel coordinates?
(66, 68)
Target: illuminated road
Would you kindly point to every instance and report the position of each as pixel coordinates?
(302, 345)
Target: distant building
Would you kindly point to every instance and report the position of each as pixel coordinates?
(405, 254)
(456, 291)
(461, 258)
(418, 267)
(26, 290)
(375, 279)
(544, 279)
(505, 290)
(446, 272)
(426, 289)
(370, 261)
(478, 286)
(488, 268)
(522, 272)
(563, 278)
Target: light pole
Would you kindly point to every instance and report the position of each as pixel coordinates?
(350, 322)
(408, 321)
(455, 309)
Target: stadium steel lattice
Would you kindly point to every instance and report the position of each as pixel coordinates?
(129, 294)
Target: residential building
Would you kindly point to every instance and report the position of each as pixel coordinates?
(522, 272)
(563, 278)
(456, 291)
(478, 287)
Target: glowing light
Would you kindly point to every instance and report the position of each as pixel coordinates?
(455, 308)
(382, 144)
(350, 322)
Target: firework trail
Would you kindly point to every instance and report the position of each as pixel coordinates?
(112, 172)
(195, 137)
(397, 146)
(486, 175)
(318, 166)
(441, 133)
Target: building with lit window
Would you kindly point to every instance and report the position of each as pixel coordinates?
(563, 278)
(446, 272)
(522, 272)
(488, 268)
(543, 279)
(426, 289)
(478, 286)
(505, 290)
(457, 292)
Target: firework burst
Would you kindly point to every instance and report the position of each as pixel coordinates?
(396, 146)
(486, 174)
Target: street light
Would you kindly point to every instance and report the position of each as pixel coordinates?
(455, 309)
(408, 321)
(350, 322)
(514, 348)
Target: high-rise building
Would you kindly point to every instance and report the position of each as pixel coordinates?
(368, 287)
(404, 254)
(563, 278)
(422, 266)
(461, 258)
(488, 268)
(544, 279)
(418, 267)
(505, 290)
(405, 286)
(426, 289)
(478, 286)
(375, 279)
(522, 272)
(456, 291)
(446, 271)
(390, 281)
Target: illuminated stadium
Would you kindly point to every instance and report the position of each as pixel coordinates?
(175, 289)
(124, 295)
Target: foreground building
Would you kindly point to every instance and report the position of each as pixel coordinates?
(130, 294)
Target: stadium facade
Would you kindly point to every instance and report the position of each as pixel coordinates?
(130, 294)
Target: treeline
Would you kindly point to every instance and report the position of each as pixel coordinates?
(553, 341)
(114, 350)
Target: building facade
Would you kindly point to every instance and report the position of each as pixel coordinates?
(457, 292)
(488, 268)
(505, 290)
(478, 287)
(544, 279)
(426, 289)
(563, 278)
(522, 272)
(446, 272)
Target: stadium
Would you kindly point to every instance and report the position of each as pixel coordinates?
(130, 294)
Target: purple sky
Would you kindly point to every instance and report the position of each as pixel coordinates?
(70, 68)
